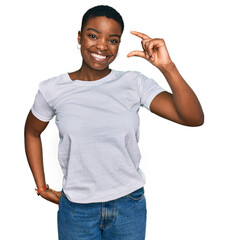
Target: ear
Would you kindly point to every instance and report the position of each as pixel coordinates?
(79, 37)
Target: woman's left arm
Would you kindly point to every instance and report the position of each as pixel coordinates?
(182, 106)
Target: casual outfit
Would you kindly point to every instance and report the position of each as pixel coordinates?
(120, 219)
(98, 126)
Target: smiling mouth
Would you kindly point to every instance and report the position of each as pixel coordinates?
(99, 57)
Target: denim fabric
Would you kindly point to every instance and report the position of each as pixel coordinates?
(120, 219)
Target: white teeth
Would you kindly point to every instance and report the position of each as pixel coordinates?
(98, 56)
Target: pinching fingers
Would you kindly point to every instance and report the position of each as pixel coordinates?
(136, 53)
(139, 34)
(145, 44)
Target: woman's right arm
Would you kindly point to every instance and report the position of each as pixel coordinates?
(33, 148)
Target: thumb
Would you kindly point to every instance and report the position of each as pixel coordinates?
(137, 53)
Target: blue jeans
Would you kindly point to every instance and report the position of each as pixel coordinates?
(120, 219)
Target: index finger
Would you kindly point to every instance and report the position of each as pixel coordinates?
(139, 34)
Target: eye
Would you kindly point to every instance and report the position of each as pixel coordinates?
(92, 36)
(113, 41)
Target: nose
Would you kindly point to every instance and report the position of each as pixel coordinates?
(102, 44)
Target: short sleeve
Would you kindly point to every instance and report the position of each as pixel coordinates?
(148, 89)
(41, 109)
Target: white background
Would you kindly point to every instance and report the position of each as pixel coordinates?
(186, 168)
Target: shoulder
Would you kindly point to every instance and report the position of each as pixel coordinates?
(50, 84)
(49, 87)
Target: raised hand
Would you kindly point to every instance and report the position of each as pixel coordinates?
(154, 50)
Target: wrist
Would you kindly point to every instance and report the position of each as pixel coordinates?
(41, 189)
(168, 67)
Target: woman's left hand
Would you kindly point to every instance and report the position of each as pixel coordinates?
(154, 50)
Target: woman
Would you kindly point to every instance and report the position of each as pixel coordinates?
(96, 111)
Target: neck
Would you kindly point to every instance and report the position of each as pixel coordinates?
(88, 74)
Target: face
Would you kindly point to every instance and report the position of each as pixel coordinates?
(99, 39)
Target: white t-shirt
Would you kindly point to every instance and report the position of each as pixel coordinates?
(98, 126)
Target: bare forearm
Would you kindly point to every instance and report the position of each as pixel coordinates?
(185, 100)
(33, 148)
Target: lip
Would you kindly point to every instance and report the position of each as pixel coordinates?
(99, 57)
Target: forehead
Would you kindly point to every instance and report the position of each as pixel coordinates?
(103, 24)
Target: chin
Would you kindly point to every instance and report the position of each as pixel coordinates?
(99, 67)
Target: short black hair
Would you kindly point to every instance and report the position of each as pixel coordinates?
(100, 11)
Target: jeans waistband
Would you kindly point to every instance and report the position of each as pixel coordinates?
(138, 191)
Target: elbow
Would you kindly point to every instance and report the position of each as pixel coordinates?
(200, 119)
(197, 122)
(193, 119)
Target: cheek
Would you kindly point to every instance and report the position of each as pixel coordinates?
(85, 45)
(114, 49)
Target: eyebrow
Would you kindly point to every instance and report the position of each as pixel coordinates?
(111, 35)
